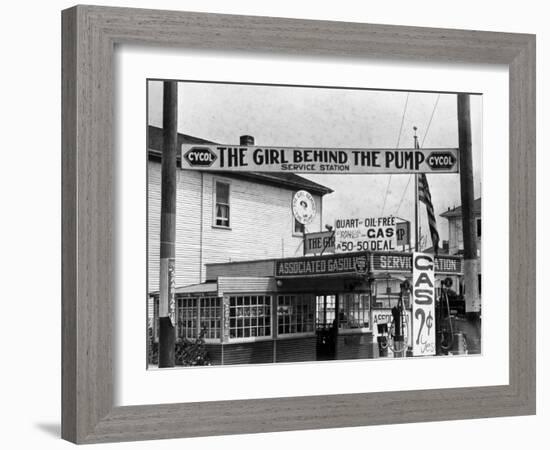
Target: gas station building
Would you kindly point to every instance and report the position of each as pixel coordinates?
(244, 283)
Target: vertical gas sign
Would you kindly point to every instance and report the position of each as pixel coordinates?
(423, 304)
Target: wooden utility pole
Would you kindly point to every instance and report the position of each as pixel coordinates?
(471, 289)
(167, 305)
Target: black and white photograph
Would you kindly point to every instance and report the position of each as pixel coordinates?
(275, 224)
(301, 223)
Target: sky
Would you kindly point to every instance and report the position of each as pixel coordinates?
(324, 117)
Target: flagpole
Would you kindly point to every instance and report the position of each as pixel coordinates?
(416, 230)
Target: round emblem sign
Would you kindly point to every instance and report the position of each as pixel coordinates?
(303, 207)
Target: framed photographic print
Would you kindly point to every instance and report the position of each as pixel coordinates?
(277, 224)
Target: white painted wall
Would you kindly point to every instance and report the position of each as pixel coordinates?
(261, 224)
(456, 241)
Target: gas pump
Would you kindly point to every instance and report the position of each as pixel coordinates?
(382, 339)
(399, 327)
(445, 333)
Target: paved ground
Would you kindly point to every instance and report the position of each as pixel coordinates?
(471, 329)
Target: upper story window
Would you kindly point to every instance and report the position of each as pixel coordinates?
(299, 228)
(222, 204)
(478, 227)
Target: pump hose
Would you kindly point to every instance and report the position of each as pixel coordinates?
(405, 332)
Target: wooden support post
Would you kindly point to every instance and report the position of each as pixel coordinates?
(167, 306)
(471, 292)
(336, 323)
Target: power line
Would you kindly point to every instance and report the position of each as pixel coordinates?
(396, 146)
(403, 196)
(430, 122)
(421, 146)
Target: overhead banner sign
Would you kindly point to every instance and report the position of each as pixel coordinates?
(316, 243)
(365, 234)
(402, 262)
(423, 310)
(322, 265)
(318, 160)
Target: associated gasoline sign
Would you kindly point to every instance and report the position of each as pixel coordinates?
(365, 234)
(317, 160)
(423, 309)
(356, 264)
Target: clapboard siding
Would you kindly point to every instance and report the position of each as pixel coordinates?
(248, 353)
(214, 353)
(241, 269)
(231, 285)
(188, 224)
(295, 350)
(355, 346)
(261, 224)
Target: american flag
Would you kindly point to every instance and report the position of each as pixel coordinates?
(425, 197)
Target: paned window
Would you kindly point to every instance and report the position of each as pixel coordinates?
(354, 311)
(194, 315)
(187, 318)
(326, 306)
(249, 316)
(221, 205)
(210, 317)
(299, 228)
(295, 313)
(386, 294)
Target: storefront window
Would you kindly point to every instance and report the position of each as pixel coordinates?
(295, 313)
(387, 293)
(326, 310)
(354, 311)
(186, 318)
(210, 317)
(249, 316)
(194, 315)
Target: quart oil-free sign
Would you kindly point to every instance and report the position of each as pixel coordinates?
(360, 234)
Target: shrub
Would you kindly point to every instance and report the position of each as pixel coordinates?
(192, 352)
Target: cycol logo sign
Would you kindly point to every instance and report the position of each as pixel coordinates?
(441, 160)
(200, 156)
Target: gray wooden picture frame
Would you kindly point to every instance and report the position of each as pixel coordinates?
(90, 34)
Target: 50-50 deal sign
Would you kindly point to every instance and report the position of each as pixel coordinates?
(361, 234)
(317, 160)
